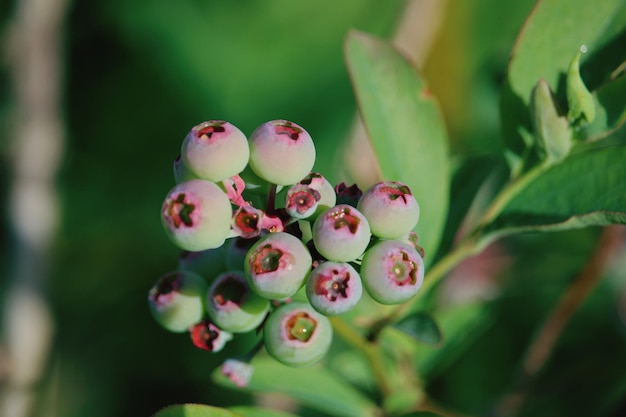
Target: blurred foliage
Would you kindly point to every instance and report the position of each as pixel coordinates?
(140, 73)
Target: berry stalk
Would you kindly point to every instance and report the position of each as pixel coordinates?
(271, 200)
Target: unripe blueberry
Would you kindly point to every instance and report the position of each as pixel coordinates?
(310, 195)
(206, 335)
(196, 215)
(319, 183)
(297, 335)
(390, 208)
(341, 233)
(334, 288)
(301, 201)
(277, 265)
(247, 221)
(215, 150)
(239, 372)
(177, 300)
(392, 271)
(281, 152)
(181, 172)
(233, 306)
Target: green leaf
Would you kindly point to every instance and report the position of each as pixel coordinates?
(553, 32)
(420, 414)
(610, 102)
(315, 387)
(194, 410)
(588, 188)
(251, 411)
(422, 327)
(579, 99)
(405, 127)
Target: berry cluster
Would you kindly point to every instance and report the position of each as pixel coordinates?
(257, 227)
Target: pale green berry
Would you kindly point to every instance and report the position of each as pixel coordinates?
(281, 152)
(215, 150)
(334, 288)
(390, 209)
(392, 271)
(341, 233)
(181, 172)
(233, 306)
(313, 194)
(196, 215)
(177, 300)
(277, 265)
(297, 335)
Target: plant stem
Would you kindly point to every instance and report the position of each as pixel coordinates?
(368, 349)
(508, 193)
(271, 200)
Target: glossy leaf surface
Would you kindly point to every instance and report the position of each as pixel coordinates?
(586, 189)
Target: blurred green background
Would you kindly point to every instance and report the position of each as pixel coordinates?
(138, 74)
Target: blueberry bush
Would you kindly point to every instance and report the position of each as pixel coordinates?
(227, 239)
(331, 289)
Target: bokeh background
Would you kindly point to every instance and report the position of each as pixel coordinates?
(135, 75)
